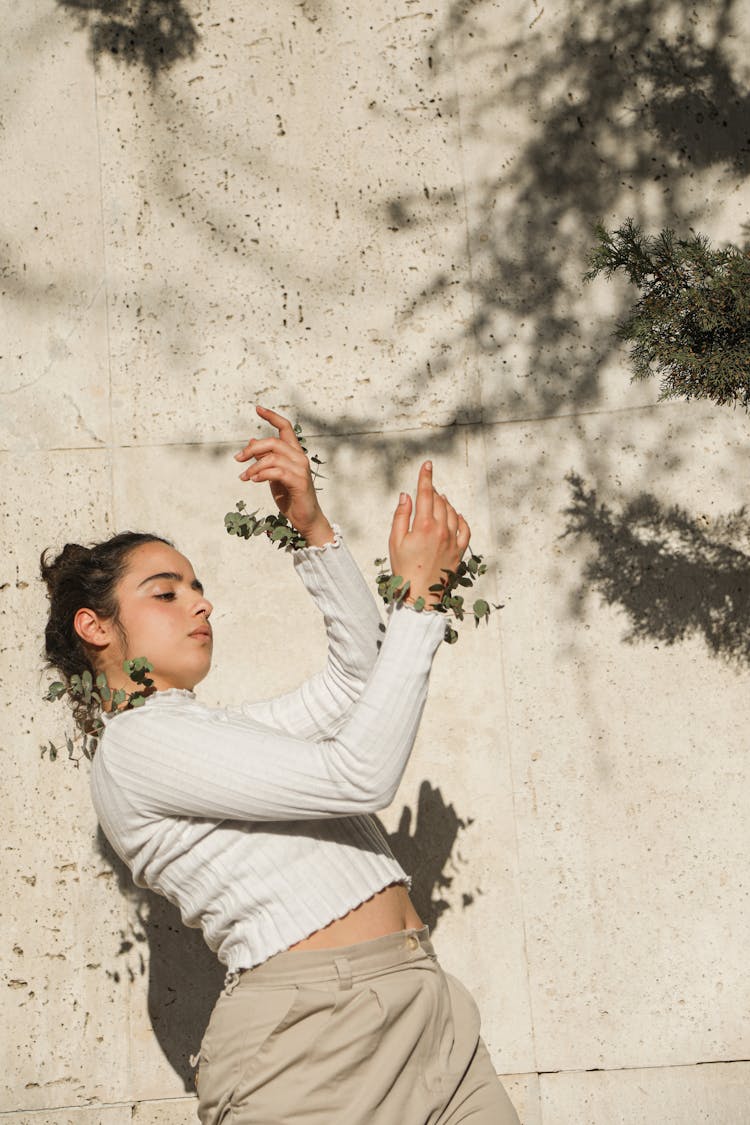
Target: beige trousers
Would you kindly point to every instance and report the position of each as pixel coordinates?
(368, 1034)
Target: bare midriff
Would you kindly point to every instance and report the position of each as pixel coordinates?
(387, 912)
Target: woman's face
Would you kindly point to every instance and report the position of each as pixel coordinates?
(165, 616)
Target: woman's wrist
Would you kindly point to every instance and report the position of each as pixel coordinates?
(319, 533)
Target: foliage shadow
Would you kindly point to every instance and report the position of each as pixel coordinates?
(627, 104)
(673, 574)
(153, 33)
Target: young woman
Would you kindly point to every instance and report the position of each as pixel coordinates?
(254, 819)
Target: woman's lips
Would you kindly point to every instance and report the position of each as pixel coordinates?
(206, 633)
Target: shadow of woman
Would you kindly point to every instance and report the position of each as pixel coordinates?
(184, 976)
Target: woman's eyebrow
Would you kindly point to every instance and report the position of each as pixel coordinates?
(173, 576)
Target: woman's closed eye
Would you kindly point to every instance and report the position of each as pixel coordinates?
(169, 596)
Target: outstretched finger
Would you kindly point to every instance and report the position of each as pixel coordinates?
(282, 424)
(425, 493)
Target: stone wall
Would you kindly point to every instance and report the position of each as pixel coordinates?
(374, 217)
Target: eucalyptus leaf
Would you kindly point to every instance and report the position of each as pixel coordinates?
(481, 609)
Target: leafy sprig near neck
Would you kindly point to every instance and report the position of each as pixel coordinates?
(95, 694)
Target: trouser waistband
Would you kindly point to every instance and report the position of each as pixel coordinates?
(345, 964)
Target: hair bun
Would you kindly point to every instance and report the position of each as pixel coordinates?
(72, 555)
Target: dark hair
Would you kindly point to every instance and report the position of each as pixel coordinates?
(84, 577)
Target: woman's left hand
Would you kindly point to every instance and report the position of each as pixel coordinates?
(284, 464)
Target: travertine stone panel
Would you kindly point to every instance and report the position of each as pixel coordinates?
(523, 1091)
(63, 1035)
(573, 113)
(74, 963)
(628, 780)
(54, 368)
(271, 226)
(716, 1094)
(453, 816)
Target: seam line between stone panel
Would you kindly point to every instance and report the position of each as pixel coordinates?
(377, 433)
(124, 905)
(132, 1103)
(105, 282)
(510, 773)
(467, 233)
(191, 1099)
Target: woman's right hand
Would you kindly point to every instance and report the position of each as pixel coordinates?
(436, 541)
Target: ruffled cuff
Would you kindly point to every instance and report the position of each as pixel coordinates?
(311, 549)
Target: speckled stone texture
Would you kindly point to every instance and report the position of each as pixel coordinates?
(375, 218)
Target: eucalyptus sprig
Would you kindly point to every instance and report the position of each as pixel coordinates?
(86, 690)
(277, 527)
(393, 588)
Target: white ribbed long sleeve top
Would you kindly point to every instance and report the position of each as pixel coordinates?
(254, 819)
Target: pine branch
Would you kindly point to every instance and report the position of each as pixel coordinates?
(690, 325)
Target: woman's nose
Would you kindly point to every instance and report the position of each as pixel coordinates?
(205, 606)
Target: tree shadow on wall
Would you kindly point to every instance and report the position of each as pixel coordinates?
(154, 33)
(673, 574)
(620, 115)
(601, 111)
(184, 976)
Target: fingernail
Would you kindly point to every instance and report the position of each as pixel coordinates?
(428, 466)
(238, 455)
(402, 498)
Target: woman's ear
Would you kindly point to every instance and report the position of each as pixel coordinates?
(93, 629)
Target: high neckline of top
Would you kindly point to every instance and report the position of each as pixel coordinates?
(169, 695)
(158, 698)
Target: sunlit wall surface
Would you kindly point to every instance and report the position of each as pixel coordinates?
(375, 218)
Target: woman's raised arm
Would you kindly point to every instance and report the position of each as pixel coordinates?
(436, 541)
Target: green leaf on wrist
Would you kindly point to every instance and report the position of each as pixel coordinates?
(393, 589)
